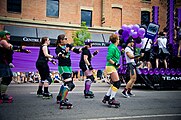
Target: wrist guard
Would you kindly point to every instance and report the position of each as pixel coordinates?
(90, 67)
(95, 53)
(116, 64)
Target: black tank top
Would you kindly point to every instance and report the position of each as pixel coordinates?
(5, 55)
(85, 51)
(41, 57)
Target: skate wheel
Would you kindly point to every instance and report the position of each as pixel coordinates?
(86, 96)
(91, 96)
(69, 107)
(104, 101)
(10, 101)
(61, 107)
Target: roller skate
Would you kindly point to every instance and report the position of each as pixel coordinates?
(47, 95)
(39, 93)
(112, 102)
(105, 99)
(88, 94)
(6, 99)
(65, 103)
(59, 99)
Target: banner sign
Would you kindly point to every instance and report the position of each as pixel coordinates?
(152, 31)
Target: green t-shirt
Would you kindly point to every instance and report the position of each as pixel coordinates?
(113, 54)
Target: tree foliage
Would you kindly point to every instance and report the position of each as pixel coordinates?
(81, 35)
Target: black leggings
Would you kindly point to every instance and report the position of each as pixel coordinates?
(44, 70)
(6, 80)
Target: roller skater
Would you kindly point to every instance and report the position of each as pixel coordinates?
(87, 92)
(131, 65)
(113, 102)
(6, 99)
(86, 66)
(112, 64)
(43, 68)
(40, 93)
(63, 99)
(64, 67)
(6, 57)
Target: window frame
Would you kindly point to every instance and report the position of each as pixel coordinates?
(148, 14)
(88, 24)
(47, 12)
(12, 6)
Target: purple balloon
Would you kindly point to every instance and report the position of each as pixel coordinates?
(151, 71)
(167, 71)
(142, 37)
(145, 71)
(124, 27)
(125, 35)
(128, 29)
(156, 71)
(134, 34)
(173, 71)
(141, 31)
(135, 27)
(162, 71)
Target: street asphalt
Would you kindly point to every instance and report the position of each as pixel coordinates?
(146, 105)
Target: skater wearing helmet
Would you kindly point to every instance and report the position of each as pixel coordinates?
(113, 57)
(131, 65)
(6, 52)
(43, 68)
(64, 67)
(86, 66)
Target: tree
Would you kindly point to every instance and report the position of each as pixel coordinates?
(81, 35)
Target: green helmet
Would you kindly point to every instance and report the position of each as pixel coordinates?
(4, 33)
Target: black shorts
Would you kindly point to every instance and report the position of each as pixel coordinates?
(146, 56)
(5, 70)
(161, 54)
(83, 67)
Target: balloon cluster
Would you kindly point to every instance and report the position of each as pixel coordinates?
(136, 32)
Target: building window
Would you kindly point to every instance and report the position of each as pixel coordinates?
(145, 17)
(52, 8)
(86, 16)
(14, 6)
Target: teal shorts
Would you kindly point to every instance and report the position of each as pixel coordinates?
(64, 69)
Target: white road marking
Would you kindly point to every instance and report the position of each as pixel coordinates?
(133, 117)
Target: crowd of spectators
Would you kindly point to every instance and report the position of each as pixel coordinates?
(34, 77)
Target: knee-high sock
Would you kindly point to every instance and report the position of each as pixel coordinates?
(113, 91)
(64, 93)
(60, 91)
(3, 89)
(109, 92)
(87, 85)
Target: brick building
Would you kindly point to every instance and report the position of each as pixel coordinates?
(34, 19)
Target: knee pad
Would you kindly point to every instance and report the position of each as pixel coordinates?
(49, 80)
(66, 75)
(117, 84)
(91, 78)
(6, 80)
(70, 85)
